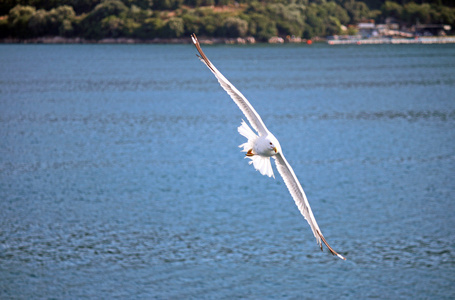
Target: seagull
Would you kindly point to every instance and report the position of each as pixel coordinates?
(264, 145)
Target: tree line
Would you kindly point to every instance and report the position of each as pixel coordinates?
(148, 19)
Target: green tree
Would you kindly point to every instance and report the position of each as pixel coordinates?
(289, 19)
(261, 23)
(392, 9)
(357, 10)
(142, 4)
(18, 19)
(150, 28)
(235, 27)
(445, 15)
(211, 25)
(60, 20)
(107, 8)
(57, 21)
(167, 4)
(261, 27)
(314, 25)
(174, 28)
(39, 23)
(336, 11)
(415, 13)
(138, 14)
(95, 19)
(112, 27)
(191, 22)
(92, 26)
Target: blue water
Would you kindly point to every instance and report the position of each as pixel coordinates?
(120, 175)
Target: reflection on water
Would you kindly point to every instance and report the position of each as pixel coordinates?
(120, 175)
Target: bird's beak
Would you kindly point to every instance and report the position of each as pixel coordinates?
(274, 149)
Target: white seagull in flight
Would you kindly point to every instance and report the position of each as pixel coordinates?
(259, 148)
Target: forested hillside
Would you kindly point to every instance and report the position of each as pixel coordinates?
(148, 19)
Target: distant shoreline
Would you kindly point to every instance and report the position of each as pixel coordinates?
(248, 40)
(63, 40)
(375, 41)
(183, 40)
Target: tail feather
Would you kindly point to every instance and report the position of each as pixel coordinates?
(262, 164)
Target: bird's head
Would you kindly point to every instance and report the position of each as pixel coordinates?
(273, 145)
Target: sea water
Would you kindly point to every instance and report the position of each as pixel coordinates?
(121, 176)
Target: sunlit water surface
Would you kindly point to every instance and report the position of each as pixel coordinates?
(120, 175)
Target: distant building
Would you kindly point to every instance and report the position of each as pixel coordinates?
(391, 30)
(432, 29)
(367, 29)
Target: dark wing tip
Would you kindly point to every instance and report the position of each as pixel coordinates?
(194, 39)
(330, 248)
(201, 53)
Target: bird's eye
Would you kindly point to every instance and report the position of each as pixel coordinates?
(271, 143)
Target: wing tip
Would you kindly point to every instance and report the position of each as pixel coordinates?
(342, 257)
(194, 38)
(328, 246)
(202, 55)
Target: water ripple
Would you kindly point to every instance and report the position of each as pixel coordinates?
(409, 115)
(120, 177)
(103, 245)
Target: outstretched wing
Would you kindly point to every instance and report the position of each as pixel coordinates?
(245, 106)
(283, 166)
(300, 199)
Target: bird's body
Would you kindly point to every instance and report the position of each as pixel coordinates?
(262, 146)
(259, 149)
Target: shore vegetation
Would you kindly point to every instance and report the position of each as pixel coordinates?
(149, 19)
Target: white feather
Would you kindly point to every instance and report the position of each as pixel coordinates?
(245, 106)
(297, 193)
(260, 163)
